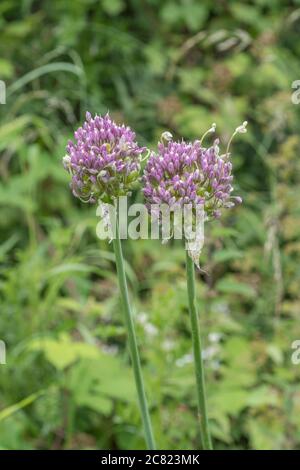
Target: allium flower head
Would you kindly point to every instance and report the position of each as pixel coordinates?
(188, 173)
(104, 161)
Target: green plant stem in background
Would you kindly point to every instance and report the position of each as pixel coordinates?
(199, 370)
(136, 363)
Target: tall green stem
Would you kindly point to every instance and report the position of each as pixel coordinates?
(199, 370)
(132, 342)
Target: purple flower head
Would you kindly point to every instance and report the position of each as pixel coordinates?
(187, 173)
(104, 161)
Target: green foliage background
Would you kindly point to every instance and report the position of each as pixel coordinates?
(157, 65)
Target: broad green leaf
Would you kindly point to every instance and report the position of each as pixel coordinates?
(229, 285)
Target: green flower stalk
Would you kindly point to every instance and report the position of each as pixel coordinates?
(136, 363)
(104, 164)
(199, 369)
(188, 175)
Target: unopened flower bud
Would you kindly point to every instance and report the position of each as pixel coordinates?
(242, 129)
(167, 136)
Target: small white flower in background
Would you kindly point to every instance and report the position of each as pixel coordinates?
(168, 345)
(186, 359)
(150, 329)
(222, 308)
(215, 365)
(214, 337)
(142, 318)
(112, 349)
(210, 352)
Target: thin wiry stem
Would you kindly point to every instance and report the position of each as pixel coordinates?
(132, 342)
(199, 370)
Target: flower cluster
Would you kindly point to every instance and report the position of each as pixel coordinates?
(187, 173)
(104, 162)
